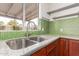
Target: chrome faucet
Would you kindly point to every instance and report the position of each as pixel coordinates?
(29, 27)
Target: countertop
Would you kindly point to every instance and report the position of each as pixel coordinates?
(6, 51)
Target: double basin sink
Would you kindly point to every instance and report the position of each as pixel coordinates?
(23, 42)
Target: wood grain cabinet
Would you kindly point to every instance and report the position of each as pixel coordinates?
(41, 52)
(63, 47)
(69, 47)
(52, 52)
(52, 49)
(73, 47)
(49, 50)
(60, 47)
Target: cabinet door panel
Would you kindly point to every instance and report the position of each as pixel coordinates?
(66, 50)
(50, 47)
(52, 52)
(74, 47)
(62, 47)
(53, 48)
(41, 52)
(64, 42)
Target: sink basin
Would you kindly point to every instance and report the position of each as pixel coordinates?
(23, 42)
(38, 39)
(29, 43)
(19, 43)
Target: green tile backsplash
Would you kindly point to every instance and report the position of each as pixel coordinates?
(69, 26)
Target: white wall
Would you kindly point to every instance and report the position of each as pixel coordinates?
(46, 7)
(66, 12)
(55, 6)
(43, 9)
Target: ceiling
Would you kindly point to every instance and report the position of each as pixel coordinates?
(62, 10)
(15, 10)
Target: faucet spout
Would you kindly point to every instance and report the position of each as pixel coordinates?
(29, 27)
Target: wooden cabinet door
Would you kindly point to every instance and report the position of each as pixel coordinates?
(52, 48)
(52, 52)
(41, 52)
(73, 47)
(66, 49)
(57, 47)
(63, 47)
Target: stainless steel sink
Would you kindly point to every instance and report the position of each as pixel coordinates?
(38, 39)
(19, 43)
(23, 42)
(29, 43)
